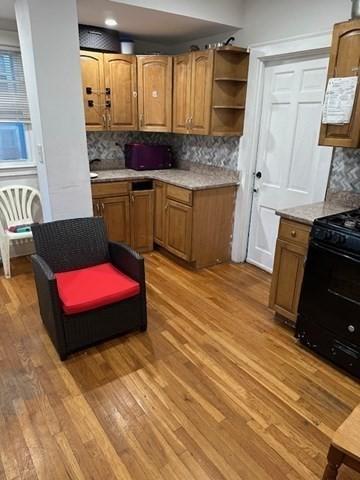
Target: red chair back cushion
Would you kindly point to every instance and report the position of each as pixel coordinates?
(94, 287)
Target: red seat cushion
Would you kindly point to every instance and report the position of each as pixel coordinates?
(94, 287)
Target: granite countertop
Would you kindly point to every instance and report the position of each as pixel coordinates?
(181, 178)
(308, 213)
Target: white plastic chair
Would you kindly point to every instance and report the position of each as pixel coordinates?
(16, 208)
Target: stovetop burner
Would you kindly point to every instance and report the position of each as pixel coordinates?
(341, 231)
(349, 221)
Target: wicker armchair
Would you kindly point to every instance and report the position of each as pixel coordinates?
(78, 248)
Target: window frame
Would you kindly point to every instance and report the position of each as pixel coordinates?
(28, 163)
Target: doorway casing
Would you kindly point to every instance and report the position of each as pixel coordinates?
(260, 54)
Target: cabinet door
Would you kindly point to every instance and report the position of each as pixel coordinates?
(116, 213)
(120, 80)
(96, 208)
(92, 72)
(178, 229)
(155, 93)
(159, 217)
(201, 90)
(181, 94)
(142, 220)
(287, 278)
(344, 62)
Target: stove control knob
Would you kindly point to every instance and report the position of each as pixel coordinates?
(351, 328)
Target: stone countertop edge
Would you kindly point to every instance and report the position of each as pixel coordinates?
(180, 178)
(306, 214)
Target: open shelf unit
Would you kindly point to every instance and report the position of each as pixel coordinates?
(231, 65)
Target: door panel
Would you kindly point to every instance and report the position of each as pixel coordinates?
(120, 78)
(159, 217)
(181, 94)
(116, 213)
(92, 73)
(142, 220)
(201, 90)
(294, 169)
(288, 274)
(155, 93)
(178, 229)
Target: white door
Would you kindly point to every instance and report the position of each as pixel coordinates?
(294, 169)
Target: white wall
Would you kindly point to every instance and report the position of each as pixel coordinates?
(271, 20)
(229, 12)
(267, 20)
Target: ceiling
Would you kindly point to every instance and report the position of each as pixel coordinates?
(142, 23)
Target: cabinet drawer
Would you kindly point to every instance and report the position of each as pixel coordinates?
(179, 194)
(294, 232)
(109, 189)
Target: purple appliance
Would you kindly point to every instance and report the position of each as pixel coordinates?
(142, 156)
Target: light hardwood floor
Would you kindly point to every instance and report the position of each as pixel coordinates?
(214, 390)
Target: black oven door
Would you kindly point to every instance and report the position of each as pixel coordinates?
(330, 296)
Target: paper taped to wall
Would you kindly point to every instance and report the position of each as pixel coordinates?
(339, 100)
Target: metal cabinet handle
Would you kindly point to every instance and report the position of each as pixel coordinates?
(96, 208)
(191, 122)
(102, 208)
(293, 233)
(104, 120)
(92, 91)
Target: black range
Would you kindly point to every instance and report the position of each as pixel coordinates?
(329, 309)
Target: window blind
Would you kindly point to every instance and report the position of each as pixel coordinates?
(13, 99)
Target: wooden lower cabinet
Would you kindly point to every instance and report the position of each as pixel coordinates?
(142, 224)
(195, 226)
(116, 213)
(178, 229)
(288, 272)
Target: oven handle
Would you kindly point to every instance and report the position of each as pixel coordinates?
(335, 252)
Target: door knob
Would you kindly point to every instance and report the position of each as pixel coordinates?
(258, 174)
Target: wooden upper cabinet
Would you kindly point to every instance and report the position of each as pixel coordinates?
(182, 92)
(92, 71)
(201, 90)
(193, 77)
(120, 80)
(155, 93)
(344, 62)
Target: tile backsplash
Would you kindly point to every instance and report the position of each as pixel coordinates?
(345, 170)
(187, 149)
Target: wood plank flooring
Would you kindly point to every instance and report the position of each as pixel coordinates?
(216, 389)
